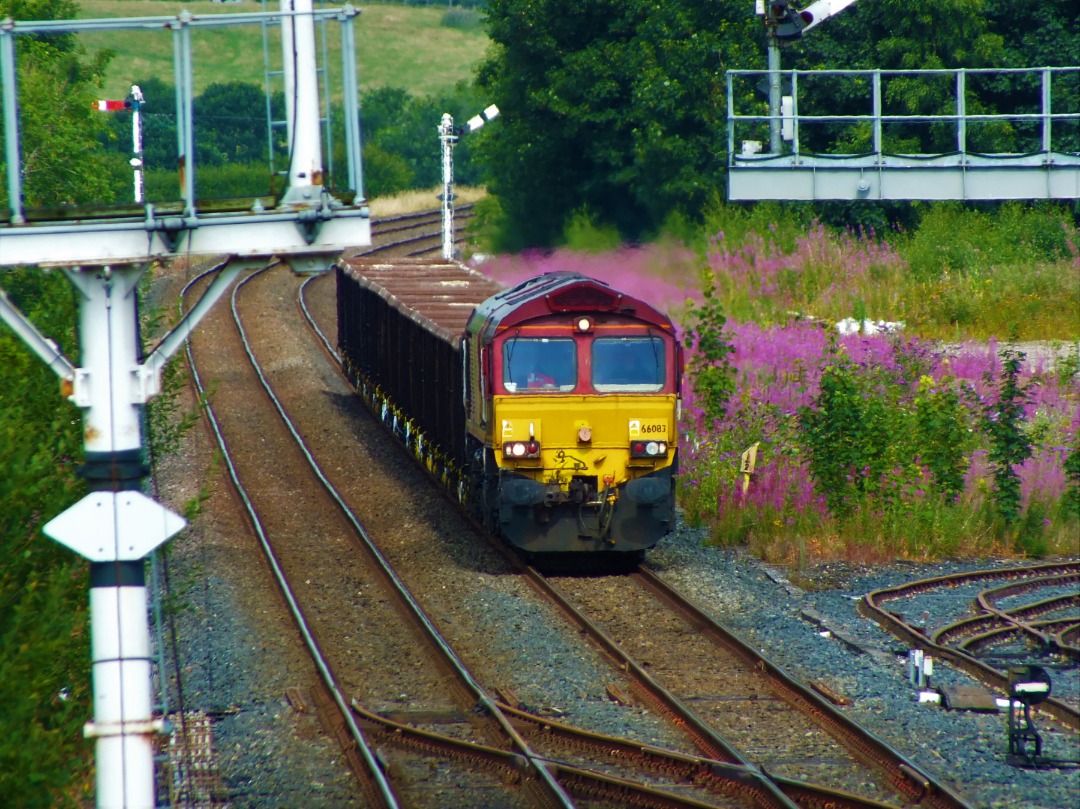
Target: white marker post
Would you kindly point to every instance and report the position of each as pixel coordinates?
(115, 527)
(448, 136)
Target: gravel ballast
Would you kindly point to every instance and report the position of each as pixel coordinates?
(964, 748)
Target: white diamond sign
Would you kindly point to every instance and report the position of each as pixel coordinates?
(114, 526)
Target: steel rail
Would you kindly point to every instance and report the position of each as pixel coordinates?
(410, 221)
(729, 779)
(909, 779)
(1016, 621)
(374, 783)
(872, 606)
(1053, 628)
(988, 601)
(704, 735)
(661, 700)
(552, 792)
(744, 781)
(700, 770)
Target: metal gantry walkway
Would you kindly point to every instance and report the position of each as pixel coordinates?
(306, 218)
(874, 148)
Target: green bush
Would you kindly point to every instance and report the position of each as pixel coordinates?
(44, 640)
(583, 234)
(952, 238)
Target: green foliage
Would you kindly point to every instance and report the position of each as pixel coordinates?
(708, 367)
(483, 227)
(876, 442)
(584, 234)
(44, 678)
(386, 173)
(843, 437)
(166, 420)
(785, 224)
(400, 138)
(611, 106)
(231, 124)
(1009, 444)
(58, 125)
(943, 432)
(1070, 503)
(44, 646)
(410, 47)
(952, 238)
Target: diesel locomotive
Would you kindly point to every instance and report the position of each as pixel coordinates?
(549, 410)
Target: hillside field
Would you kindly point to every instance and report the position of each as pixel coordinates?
(398, 46)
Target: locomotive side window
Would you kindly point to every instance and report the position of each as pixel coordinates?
(539, 363)
(628, 364)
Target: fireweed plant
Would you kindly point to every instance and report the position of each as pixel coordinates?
(869, 445)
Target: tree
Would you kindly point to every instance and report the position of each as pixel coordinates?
(614, 107)
(230, 122)
(58, 125)
(401, 144)
(617, 108)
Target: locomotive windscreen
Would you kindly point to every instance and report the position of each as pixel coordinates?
(628, 364)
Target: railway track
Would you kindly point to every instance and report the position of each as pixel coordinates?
(990, 637)
(295, 554)
(416, 234)
(895, 778)
(418, 732)
(732, 694)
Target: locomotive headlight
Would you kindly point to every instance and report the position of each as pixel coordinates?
(648, 449)
(583, 324)
(521, 449)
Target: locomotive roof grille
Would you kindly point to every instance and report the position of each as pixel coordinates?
(583, 297)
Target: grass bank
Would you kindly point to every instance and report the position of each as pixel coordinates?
(423, 49)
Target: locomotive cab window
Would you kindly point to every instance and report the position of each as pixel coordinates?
(539, 364)
(628, 364)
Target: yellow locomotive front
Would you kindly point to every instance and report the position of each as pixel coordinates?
(573, 418)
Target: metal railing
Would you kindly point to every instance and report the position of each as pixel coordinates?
(181, 27)
(968, 134)
(961, 103)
